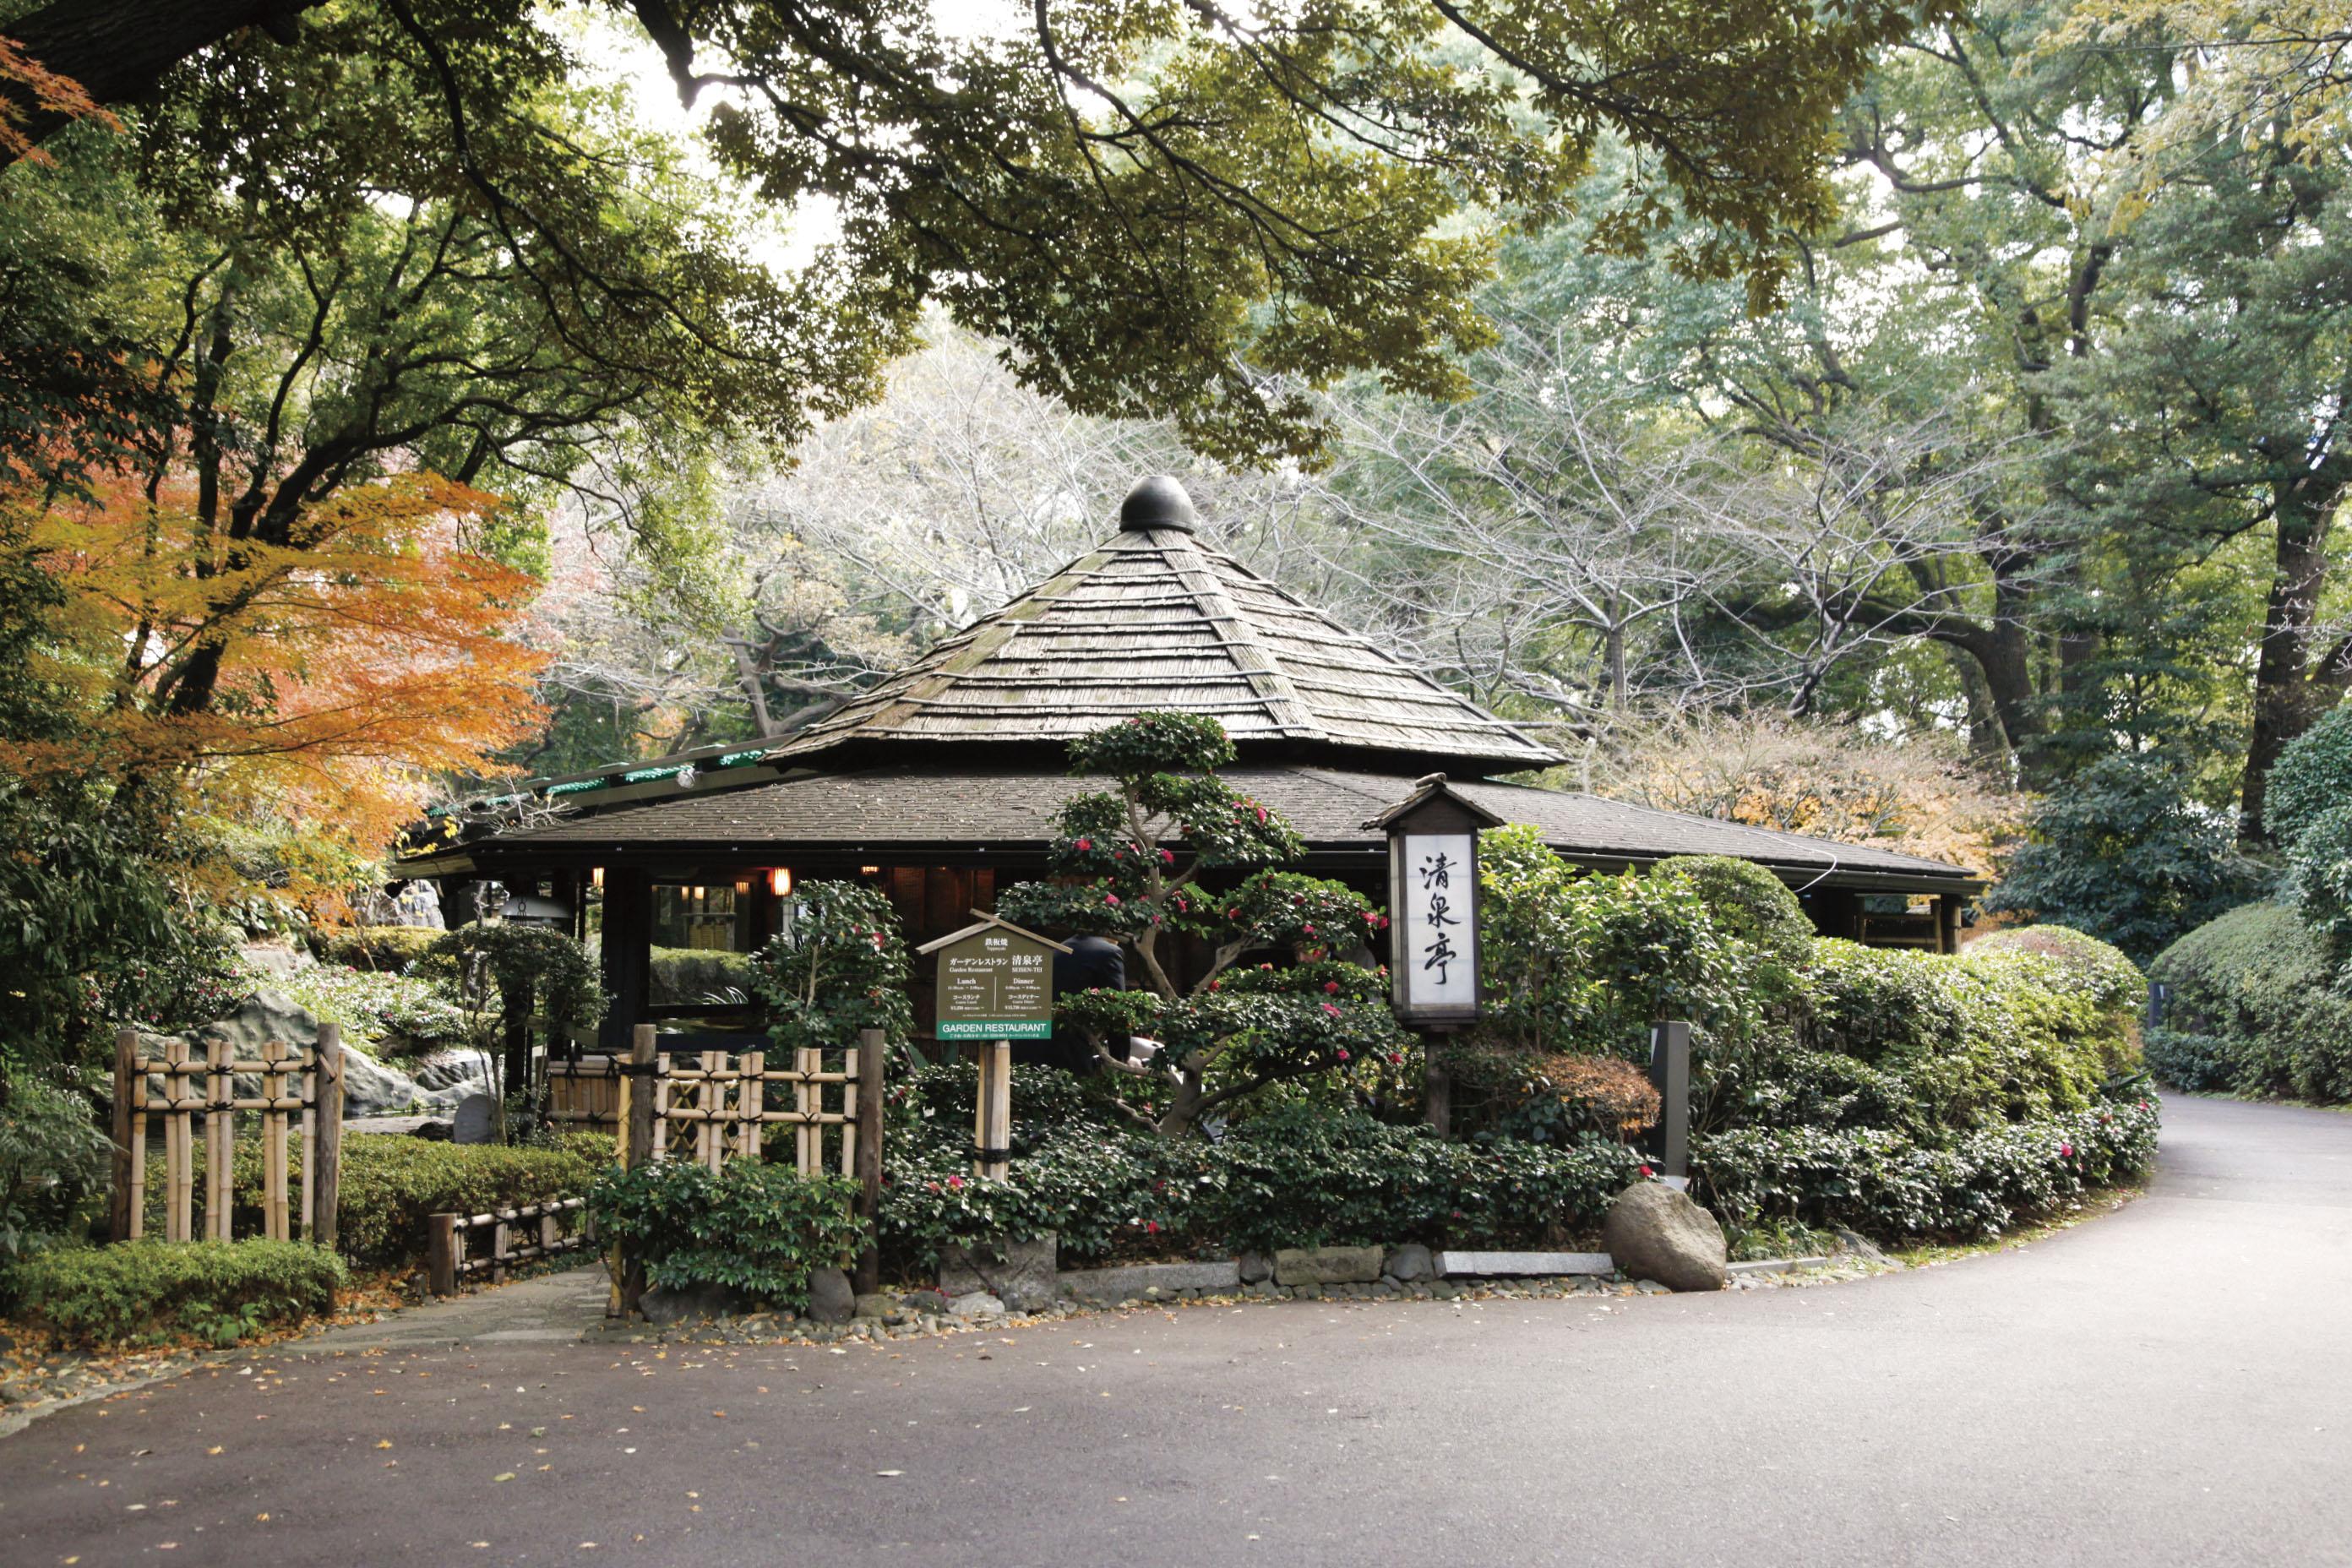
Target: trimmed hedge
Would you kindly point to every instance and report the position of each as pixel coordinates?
(392, 1183)
(390, 949)
(1298, 1177)
(2254, 1009)
(760, 1228)
(148, 1291)
(1888, 1185)
(681, 976)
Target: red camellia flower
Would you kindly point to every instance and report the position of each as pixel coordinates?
(2066, 1150)
(1331, 988)
(1343, 1055)
(1112, 898)
(1234, 913)
(1086, 843)
(1647, 1172)
(1309, 929)
(1260, 813)
(1396, 1058)
(1335, 1012)
(1152, 1228)
(955, 1181)
(1167, 857)
(932, 1185)
(1216, 985)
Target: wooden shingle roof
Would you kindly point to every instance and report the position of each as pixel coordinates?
(1155, 619)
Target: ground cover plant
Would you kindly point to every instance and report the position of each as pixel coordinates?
(149, 1291)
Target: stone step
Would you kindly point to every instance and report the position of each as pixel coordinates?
(1507, 1263)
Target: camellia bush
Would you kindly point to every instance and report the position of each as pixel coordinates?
(837, 967)
(2254, 1009)
(755, 1227)
(1150, 857)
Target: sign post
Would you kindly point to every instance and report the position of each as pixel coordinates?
(1433, 920)
(995, 986)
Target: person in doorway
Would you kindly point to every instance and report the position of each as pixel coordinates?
(1093, 963)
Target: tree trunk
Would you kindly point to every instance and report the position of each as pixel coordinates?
(2285, 697)
(120, 51)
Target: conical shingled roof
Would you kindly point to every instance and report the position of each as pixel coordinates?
(1154, 620)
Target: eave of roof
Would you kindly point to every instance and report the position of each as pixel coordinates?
(1008, 812)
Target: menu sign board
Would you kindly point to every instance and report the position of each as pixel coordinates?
(995, 983)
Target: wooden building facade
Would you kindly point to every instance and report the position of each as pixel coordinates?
(942, 781)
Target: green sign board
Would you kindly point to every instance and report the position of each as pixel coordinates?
(995, 983)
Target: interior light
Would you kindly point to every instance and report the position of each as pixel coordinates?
(780, 881)
(596, 879)
(870, 870)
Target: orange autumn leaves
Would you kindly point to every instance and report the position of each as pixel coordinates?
(365, 654)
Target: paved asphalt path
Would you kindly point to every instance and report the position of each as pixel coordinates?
(2171, 1383)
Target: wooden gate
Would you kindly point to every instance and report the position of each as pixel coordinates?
(298, 1087)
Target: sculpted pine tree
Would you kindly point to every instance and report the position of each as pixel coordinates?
(1129, 863)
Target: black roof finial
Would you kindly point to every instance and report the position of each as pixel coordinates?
(1157, 501)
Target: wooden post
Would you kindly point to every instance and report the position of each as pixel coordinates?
(628, 951)
(644, 1094)
(179, 1197)
(1670, 1071)
(869, 1158)
(306, 1085)
(138, 1147)
(1436, 1085)
(441, 1255)
(501, 1244)
(327, 1171)
(808, 1138)
(1948, 923)
(992, 1123)
(220, 1090)
(120, 1198)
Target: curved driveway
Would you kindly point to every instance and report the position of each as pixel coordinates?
(2171, 1383)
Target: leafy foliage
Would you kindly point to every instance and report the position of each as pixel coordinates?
(2256, 1008)
(2126, 855)
(1129, 863)
(2085, 964)
(532, 969)
(142, 1292)
(1887, 1185)
(1750, 905)
(838, 966)
(53, 1164)
(394, 1185)
(755, 1227)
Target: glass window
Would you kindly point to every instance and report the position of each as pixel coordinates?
(701, 916)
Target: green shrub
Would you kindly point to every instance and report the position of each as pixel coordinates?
(387, 949)
(381, 1010)
(2261, 982)
(392, 1184)
(1749, 903)
(2085, 964)
(2197, 1063)
(53, 1164)
(2310, 778)
(1888, 1185)
(755, 1227)
(1973, 1040)
(147, 1291)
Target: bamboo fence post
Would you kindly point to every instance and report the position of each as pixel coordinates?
(220, 1134)
(501, 1243)
(751, 1100)
(441, 1254)
(273, 1142)
(326, 1177)
(307, 1086)
(644, 1092)
(868, 1133)
(710, 1133)
(178, 1197)
(808, 1099)
(138, 1147)
(119, 1199)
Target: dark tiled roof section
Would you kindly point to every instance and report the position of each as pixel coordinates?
(1154, 619)
(1005, 808)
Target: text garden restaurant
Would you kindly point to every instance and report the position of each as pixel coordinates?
(942, 782)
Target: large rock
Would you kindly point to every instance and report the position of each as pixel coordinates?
(1409, 1262)
(452, 1069)
(370, 1088)
(475, 1118)
(1021, 1274)
(1656, 1233)
(1326, 1265)
(663, 1305)
(830, 1298)
(976, 1305)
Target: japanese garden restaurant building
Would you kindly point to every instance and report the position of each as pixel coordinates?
(943, 780)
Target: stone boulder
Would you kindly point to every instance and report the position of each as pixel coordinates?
(1255, 1267)
(455, 1069)
(1021, 1274)
(663, 1305)
(830, 1298)
(978, 1305)
(1654, 1232)
(1409, 1262)
(370, 1088)
(1326, 1265)
(475, 1118)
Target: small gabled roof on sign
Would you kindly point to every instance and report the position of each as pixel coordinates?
(982, 922)
(1433, 787)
